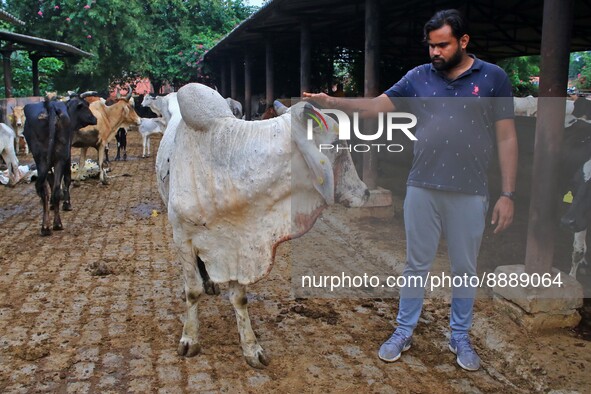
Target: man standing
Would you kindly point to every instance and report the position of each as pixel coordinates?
(447, 189)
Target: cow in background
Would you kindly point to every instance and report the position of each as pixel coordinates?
(17, 121)
(148, 127)
(48, 131)
(109, 119)
(235, 107)
(574, 176)
(7, 138)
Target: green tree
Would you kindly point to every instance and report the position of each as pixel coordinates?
(520, 70)
(162, 39)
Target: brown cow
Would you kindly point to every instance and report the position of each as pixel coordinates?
(109, 120)
(17, 122)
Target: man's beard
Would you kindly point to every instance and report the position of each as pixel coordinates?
(443, 65)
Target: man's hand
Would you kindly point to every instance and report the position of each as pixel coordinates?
(322, 99)
(502, 214)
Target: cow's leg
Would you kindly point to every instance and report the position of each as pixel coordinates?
(56, 195)
(101, 164)
(67, 206)
(189, 345)
(17, 140)
(579, 251)
(46, 192)
(26, 147)
(82, 165)
(124, 144)
(252, 351)
(144, 138)
(148, 138)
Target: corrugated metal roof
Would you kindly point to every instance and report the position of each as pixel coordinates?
(5, 16)
(41, 45)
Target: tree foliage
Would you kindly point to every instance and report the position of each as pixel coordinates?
(162, 39)
(520, 70)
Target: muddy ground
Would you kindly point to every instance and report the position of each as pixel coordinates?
(97, 308)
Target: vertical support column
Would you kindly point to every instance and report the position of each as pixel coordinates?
(556, 35)
(305, 55)
(35, 69)
(224, 77)
(7, 73)
(233, 79)
(370, 86)
(247, 85)
(269, 76)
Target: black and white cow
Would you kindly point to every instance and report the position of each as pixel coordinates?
(49, 128)
(575, 176)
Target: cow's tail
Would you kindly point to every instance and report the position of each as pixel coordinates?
(52, 118)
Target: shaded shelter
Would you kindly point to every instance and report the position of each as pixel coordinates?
(37, 48)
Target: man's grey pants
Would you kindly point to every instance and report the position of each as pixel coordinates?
(461, 218)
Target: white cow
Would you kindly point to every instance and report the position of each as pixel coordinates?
(148, 127)
(525, 106)
(235, 190)
(163, 106)
(528, 106)
(7, 152)
(235, 107)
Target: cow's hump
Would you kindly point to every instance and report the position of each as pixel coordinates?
(201, 105)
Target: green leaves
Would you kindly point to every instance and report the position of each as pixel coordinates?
(161, 39)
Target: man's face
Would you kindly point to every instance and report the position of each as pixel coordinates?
(445, 50)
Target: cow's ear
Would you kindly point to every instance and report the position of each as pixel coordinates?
(318, 164)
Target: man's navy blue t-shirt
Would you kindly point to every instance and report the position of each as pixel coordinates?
(455, 124)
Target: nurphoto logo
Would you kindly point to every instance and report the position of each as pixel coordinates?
(389, 121)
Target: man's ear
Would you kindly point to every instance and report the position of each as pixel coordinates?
(464, 40)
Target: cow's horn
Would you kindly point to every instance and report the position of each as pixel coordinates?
(89, 93)
(130, 91)
(118, 93)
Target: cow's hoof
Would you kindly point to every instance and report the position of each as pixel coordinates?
(211, 288)
(67, 206)
(188, 349)
(58, 227)
(125, 157)
(258, 359)
(45, 231)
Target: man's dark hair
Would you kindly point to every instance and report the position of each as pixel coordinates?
(450, 17)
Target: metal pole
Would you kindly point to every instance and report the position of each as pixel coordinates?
(556, 35)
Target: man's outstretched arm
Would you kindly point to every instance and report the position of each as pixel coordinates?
(366, 107)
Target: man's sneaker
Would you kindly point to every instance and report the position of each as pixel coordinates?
(467, 357)
(392, 349)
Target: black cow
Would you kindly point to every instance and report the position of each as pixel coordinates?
(582, 108)
(49, 128)
(121, 138)
(574, 176)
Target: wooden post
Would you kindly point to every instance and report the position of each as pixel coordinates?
(7, 73)
(269, 76)
(305, 56)
(247, 85)
(224, 77)
(556, 34)
(370, 86)
(233, 79)
(35, 69)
